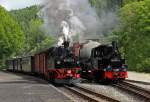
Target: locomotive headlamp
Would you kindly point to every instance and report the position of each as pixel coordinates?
(83, 71)
(104, 69)
(124, 66)
(58, 62)
(115, 70)
(109, 68)
(65, 60)
(68, 60)
(89, 71)
(78, 62)
(69, 71)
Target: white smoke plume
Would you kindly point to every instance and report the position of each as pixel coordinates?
(80, 16)
(65, 33)
(75, 19)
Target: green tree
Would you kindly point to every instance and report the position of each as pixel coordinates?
(134, 34)
(106, 5)
(130, 1)
(39, 39)
(31, 24)
(24, 17)
(11, 35)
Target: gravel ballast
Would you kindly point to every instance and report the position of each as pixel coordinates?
(112, 92)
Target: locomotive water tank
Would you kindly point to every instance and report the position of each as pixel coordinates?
(86, 49)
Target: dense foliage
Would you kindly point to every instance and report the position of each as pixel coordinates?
(106, 5)
(130, 1)
(36, 38)
(11, 36)
(134, 34)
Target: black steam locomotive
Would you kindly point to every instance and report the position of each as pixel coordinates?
(101, 62)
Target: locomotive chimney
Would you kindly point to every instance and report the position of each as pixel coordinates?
(114, 44)
(66, 44)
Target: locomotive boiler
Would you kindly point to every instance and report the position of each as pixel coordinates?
(101, 62)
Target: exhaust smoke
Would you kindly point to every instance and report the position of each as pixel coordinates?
(75, 20)
(78, 14)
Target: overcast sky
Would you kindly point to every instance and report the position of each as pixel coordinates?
(16, 4)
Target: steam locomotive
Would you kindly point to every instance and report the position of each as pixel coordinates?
(63, 66)
(57, 64)
(100, 62)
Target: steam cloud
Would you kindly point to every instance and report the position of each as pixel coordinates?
(83, 21)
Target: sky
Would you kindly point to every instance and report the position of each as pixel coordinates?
(16, 4)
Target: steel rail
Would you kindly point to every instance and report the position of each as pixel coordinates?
(142, 92)
(138, 82)
(93, 97)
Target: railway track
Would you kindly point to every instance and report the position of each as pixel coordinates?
(138, 82)
(89, 95)
(134, 89)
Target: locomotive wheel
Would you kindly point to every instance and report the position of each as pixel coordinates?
(97, 76)
(51, 79)
(71, 85)
(115, 81)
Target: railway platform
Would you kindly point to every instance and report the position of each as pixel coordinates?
(24, 88)
(144, 77)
